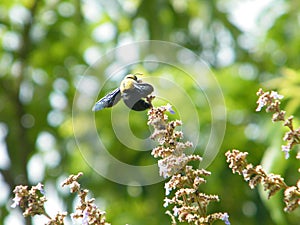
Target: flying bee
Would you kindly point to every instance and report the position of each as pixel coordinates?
(132, 90)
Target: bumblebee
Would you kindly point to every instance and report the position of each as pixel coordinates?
(132, 90)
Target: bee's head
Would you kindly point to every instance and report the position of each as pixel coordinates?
(131, 76)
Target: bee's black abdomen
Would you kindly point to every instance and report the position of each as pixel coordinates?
(140, 105)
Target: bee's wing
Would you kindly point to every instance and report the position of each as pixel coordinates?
(108, 100)
(132, 97)
(143, 89)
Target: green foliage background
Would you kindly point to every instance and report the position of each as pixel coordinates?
(45, 48)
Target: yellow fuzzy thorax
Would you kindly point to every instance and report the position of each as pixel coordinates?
(128, 83)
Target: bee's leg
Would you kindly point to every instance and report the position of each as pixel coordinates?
(149, 99)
